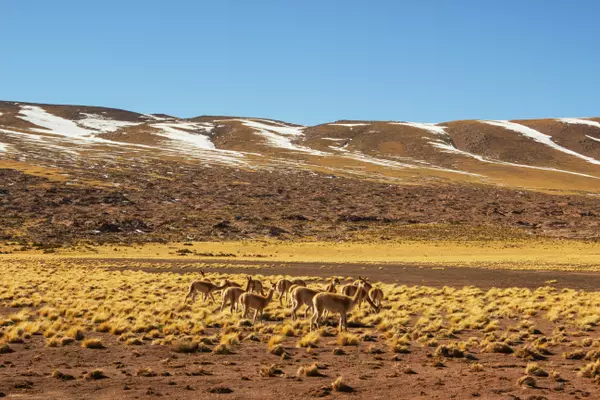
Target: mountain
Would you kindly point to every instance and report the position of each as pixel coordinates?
(79, 172)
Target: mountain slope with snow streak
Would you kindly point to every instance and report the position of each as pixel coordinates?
(540, 138)
(558, 154)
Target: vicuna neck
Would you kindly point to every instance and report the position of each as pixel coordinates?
(270, 295)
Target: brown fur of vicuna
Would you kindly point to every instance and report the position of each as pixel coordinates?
(206, 288)
(302, 296)
(255, 301)
(338, 303)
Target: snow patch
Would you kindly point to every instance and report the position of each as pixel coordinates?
(155, 118)
(336, 139)
(579, 121)
(179, 133)
(51, 123)
(102, 123)
(593, 138)
(280, 130)
(2, 148)
(358, 156)
(433, 128)
(540, 138)
(278, 136)
(448, 148)
(350, 125)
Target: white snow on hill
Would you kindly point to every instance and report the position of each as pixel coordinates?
(102, 123)
(349, 125)
(280, 130)
(540, 138)
(278, 136)
(579, 121)
(52, 124)
(593, 138)
(179, 132)
(433, 128)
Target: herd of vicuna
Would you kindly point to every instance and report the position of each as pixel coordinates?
(295, 293)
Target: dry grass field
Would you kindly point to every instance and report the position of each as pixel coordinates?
(71, 327)
(519, 254)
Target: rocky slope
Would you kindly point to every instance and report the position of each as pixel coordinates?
(75, 172)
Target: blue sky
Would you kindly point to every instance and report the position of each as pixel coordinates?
(307, 61)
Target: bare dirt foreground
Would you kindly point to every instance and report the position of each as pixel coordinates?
(411, 351)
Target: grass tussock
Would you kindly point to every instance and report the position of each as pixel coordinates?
(311, 339)
(340, 386)
(309, 370)
(347, 339)
(527, 381)
(269, 371)
(56, 374)
(222, 349)
(534, 369)
(95, 374)
(497, 347)
(94, 343)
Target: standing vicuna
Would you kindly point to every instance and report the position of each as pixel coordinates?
(232, 295)
(359, 284)
(255, 286)
(256, 301)
(206, 288)
(337, 303)
(300, 296)
(376, 296)
(283, 288)
(332, 286)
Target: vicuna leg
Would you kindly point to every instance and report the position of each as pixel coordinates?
(314, 319)
(191, 292)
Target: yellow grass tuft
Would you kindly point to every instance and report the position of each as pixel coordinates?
(93, 343)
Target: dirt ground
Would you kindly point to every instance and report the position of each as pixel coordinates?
(27, 372)
(403, 274)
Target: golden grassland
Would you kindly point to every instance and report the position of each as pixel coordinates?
(73, 304)
(533, 254)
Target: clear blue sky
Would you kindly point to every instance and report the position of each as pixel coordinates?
(307, 61)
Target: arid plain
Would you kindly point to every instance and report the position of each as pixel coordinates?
(481, 236)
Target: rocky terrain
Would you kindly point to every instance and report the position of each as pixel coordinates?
(71, 172)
